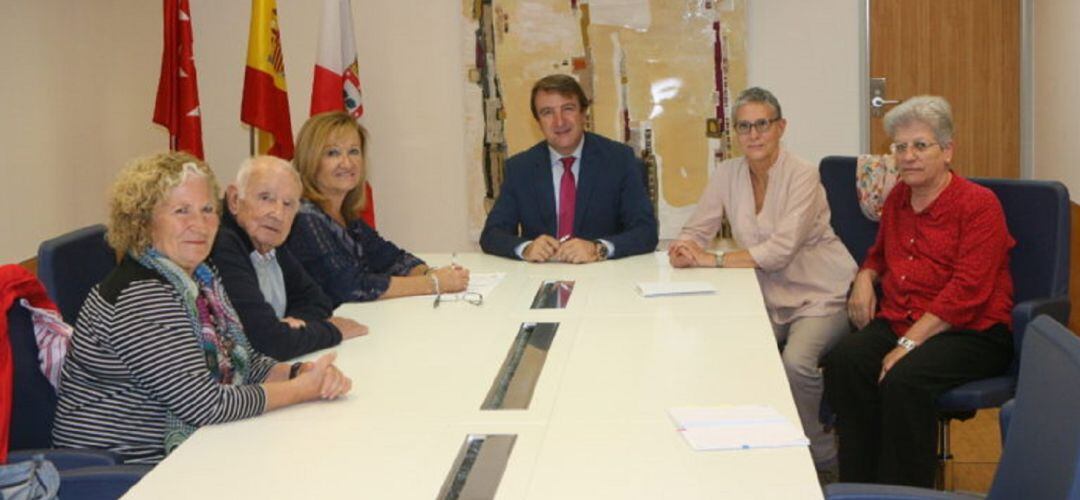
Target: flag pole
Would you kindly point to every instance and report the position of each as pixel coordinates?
(251, 142)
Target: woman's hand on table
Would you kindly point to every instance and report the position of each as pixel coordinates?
(452, 278)
(687, 253)
(323, 380)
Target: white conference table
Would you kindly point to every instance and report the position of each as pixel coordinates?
(597, 426)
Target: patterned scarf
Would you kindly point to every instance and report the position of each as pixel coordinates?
(215, 325)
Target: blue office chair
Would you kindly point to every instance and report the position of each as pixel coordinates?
(1041, 456)
(84, 473)
(34, 404)
(1037, 214)
(100, 483)
(1005, 416)
(71, 264)
(848, 222)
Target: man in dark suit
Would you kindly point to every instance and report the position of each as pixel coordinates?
(575, 197)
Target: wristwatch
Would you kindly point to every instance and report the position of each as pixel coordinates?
(601, 250)
(719, 257)
(906, 343)
(294, 370)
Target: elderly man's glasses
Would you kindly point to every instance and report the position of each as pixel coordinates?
(761, 126)
(918, 147)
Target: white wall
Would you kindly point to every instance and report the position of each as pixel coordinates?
(76, 95)
(807, 53)
(75, 103)
(412, 84)
(1056, 53)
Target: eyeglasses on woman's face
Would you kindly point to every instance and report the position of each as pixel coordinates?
(761, 125)
(917, 146)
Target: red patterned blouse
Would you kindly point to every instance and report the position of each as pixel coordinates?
(951, 259)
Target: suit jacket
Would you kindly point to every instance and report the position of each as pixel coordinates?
(611, 202)
(304, 299)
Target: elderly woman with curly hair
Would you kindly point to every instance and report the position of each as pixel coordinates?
(158, 350)
(944, 316)
(345, 256)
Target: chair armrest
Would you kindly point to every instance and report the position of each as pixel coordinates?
(104, 482)
(1055, 307)
(1005, 417)
(67, 458)
(864, 491)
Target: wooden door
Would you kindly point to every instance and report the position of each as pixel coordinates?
(967, 51)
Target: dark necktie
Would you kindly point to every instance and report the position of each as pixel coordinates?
(567, 195)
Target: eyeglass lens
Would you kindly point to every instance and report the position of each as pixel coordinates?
(761, 126)
(918, 146)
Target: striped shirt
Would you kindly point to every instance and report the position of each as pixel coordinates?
(133, 357)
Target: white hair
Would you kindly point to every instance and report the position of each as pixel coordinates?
(243, 176)
(931, 110)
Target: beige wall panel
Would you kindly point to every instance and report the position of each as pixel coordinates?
(79, 81)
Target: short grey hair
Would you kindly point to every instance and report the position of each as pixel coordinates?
(930, 110)
(243, 176)
(757, 94)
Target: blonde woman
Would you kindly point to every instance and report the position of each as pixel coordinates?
(345, 256)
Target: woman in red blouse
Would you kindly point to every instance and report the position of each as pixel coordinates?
(942, 261)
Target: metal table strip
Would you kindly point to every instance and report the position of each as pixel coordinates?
(478, 467)
(514, 384)
(553, 294)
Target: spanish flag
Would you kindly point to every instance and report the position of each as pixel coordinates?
(265, 105)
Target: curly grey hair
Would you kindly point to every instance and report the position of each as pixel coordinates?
(931, 110)
(138, 190)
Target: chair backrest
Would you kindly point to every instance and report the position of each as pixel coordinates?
(71, 264)
(33, 399)
(1037, 213)
(854, 229)
(1041, 456)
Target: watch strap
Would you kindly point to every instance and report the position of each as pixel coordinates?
(719, 257)
(601, 250)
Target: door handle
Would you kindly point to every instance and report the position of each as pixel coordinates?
(879, 102)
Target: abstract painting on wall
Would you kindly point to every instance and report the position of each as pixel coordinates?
(661, 75)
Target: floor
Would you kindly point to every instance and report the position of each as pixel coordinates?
(976, 446)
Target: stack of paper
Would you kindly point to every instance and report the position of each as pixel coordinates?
(736, 427)
(661, 288)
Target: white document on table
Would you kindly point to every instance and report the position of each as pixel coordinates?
(662, 288)
(484, 283)
(736, 428)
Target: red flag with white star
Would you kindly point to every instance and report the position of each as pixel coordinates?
(177, 106)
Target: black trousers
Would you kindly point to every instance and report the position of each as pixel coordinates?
(888, 430)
